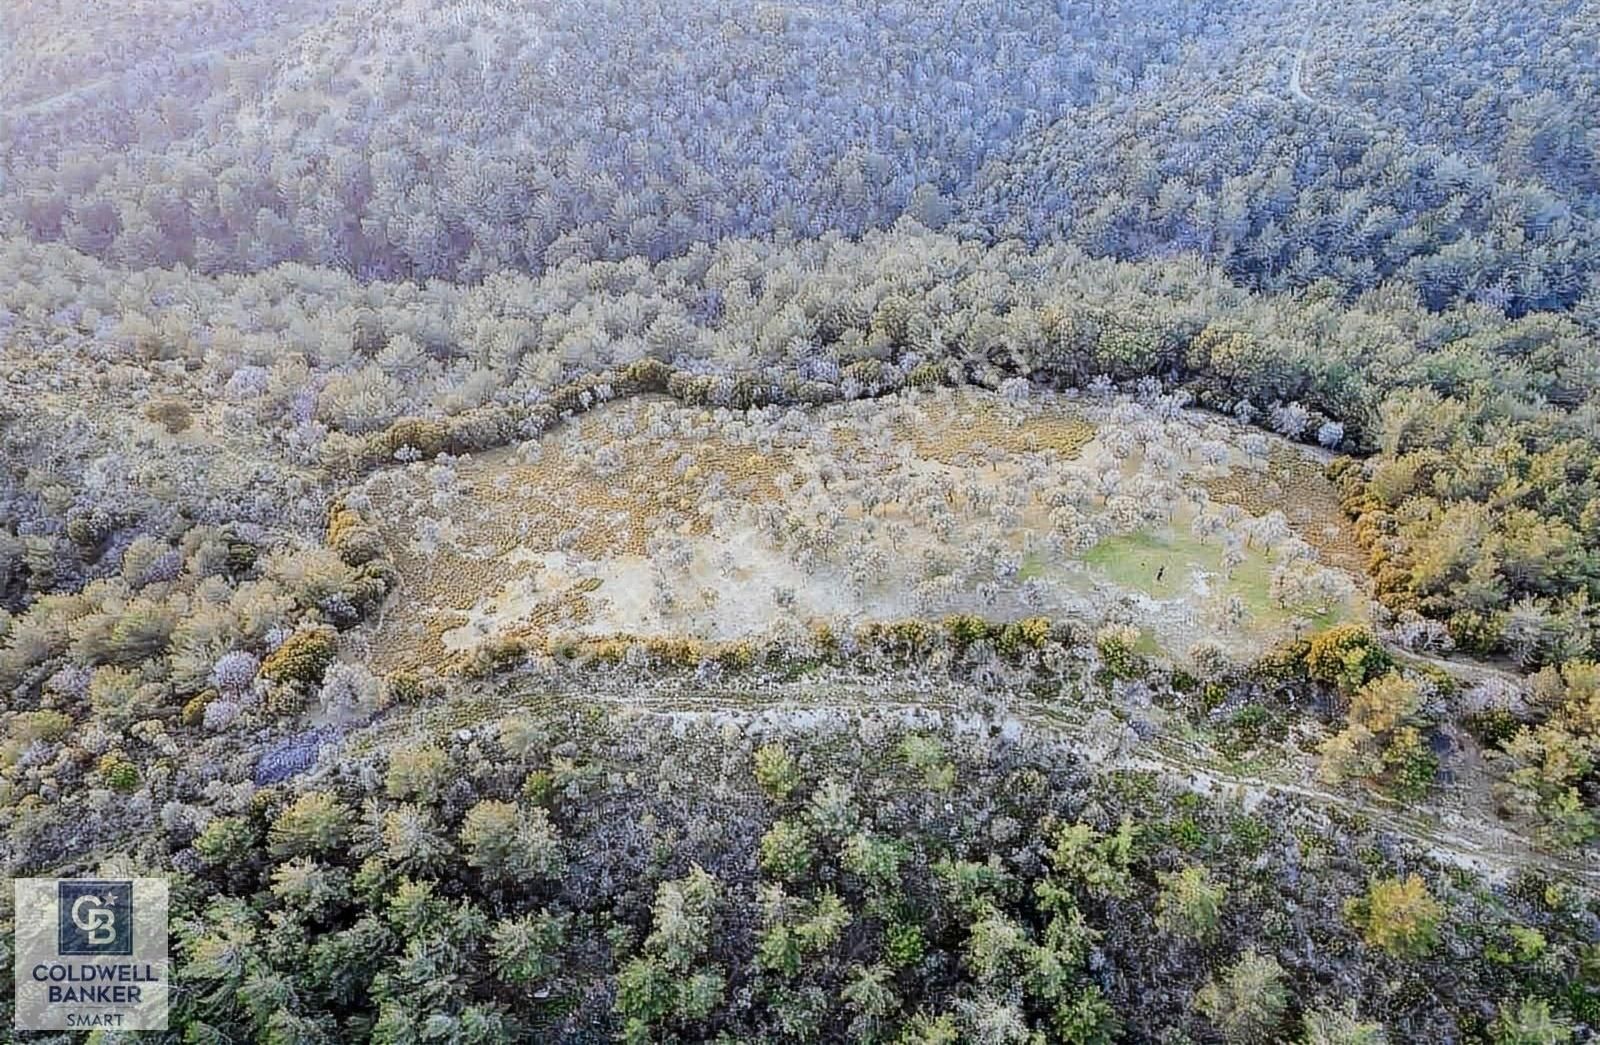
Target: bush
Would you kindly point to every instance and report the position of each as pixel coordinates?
(1117, 648)
(1529, 1022)
(1347, 656)
(776, 771)
(1328, 1026)
(119, 697)
(194, 712)
(118, 773)
(419, 773)
(29, 727)
(525, 949)
(316, 822)
(503, 841)
(1398, 916)
(234, 671)
(786, 851)
(172, 414)
(1190, 903)
(1100, 863)
(301, 659)
(1248, 1002)
(226, 840)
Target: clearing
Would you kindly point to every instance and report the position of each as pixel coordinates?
(648, 518)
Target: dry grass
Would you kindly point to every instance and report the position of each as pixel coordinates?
(1296, 485)
(961, 428)
(509, 509)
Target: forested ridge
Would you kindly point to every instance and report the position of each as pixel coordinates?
(432, 148)
(1300, 303)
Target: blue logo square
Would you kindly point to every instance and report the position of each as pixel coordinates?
(94, 917)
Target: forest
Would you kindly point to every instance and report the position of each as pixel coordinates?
(807, 522)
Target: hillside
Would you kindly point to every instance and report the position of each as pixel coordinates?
(809, 522)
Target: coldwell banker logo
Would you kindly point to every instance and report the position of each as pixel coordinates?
(91, 953)
(95, 917)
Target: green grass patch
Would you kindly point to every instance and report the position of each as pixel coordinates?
(1162, 564)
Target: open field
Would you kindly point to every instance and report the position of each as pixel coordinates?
(648, 518)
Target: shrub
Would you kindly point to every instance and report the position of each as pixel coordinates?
(412, 842)
(234, 671)
(874, 860)
(776, 770)
(1397, 916)
(504, 841)
(349, 693)
(355, 542)
(926, 755)
(119, 697)
(118, 773)
(1409, 765)
(1117, 648)
(301, 659)
(1086, 1017)
(1100, 863)
(289, 758)
(172, 414)
(1529, 1022)
(1385, 703)
(1247, 1003)
(786, 850)
(965, 629)
(1328, 1026)
(1021, 636)
(194, 712)
(1347, 656)
(1190, 903)
(417, 773)
(316, 822)
(406, 687)
(308, 887)
(29, 727)
(525, 949)
(225, 840)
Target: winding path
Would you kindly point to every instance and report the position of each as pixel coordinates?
(1295, 88)
(1462, 837)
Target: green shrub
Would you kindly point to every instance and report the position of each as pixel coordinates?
(1190, 903)
(526, 949)
(965, 629)
(786, 851)
(903, 944)
(1347, 656)
(1100, 863)
(118, 773)
(927, 756)
(316, 822)
(226, 840)
(1116, 646)
(1248, 1001)
(419, 773)
(507, 842)
(1329, 1026)
(1529, 1022)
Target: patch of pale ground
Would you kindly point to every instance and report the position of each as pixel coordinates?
(648, 518)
